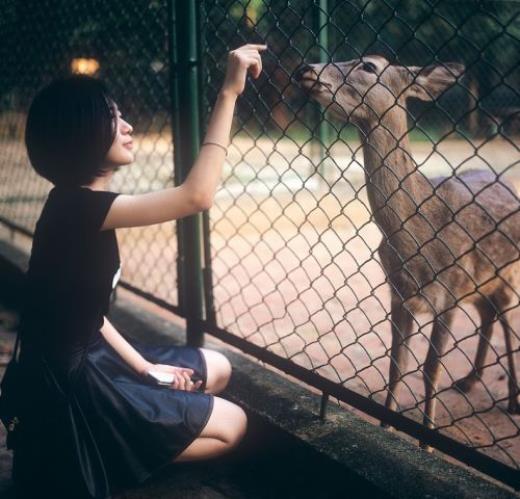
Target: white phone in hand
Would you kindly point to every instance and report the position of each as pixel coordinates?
(161, 377)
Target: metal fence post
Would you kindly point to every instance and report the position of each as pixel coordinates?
(175, 123)
(207, 272)
(321, 28)
(185, 68)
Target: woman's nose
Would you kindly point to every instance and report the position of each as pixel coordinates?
(129, 128)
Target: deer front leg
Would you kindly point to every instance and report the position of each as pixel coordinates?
(438, 341)
(487, 314)
(512, 406)
(402, 322)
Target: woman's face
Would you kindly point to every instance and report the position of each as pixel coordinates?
(120, 153)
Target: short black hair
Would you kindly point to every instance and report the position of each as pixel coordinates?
(71, 125)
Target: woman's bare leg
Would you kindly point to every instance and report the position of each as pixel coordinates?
(219, 370)
(225, 428)
(227, 423)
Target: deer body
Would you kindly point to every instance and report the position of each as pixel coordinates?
(429, 228)
(446, 240)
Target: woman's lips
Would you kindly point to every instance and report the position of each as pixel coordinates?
(129, 145)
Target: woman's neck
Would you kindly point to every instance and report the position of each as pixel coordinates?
(100, 183)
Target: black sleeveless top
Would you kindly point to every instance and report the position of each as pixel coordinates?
(72, 270)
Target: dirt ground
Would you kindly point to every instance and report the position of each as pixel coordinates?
(295, 269)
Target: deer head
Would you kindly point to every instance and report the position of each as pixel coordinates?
(364, 90)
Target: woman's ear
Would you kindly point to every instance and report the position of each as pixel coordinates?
(429, 82)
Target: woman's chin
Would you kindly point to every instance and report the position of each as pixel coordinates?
(127, 160)
(120, 165)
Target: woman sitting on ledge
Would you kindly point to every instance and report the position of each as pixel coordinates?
(76, 138)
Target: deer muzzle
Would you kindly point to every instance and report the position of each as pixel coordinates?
(308, 79)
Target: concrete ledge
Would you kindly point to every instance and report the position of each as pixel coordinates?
(365, 455)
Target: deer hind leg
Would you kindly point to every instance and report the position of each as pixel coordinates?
(487, 314)
(505, 320)
(432, 365)
(402, 322)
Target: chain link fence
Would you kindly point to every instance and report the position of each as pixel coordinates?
(350, 236)
(126, 44)
(365, 235)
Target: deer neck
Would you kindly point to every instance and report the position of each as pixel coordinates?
(395, 187)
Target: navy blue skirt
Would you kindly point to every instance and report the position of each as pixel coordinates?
(140, 427)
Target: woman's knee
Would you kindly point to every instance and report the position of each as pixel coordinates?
(227, 422)
(218, 370)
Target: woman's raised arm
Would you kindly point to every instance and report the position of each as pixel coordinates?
(196, 193)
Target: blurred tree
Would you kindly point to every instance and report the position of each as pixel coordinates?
(39, 38)
(129, 39)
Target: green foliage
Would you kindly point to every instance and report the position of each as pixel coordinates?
(485, 36)
(130, 39)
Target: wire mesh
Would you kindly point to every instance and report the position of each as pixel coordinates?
(126, 44)
(350, 234)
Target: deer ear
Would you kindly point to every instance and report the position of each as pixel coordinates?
(429, 82)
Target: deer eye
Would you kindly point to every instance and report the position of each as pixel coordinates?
(369, 67)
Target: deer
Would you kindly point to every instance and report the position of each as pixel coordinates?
(445, 240)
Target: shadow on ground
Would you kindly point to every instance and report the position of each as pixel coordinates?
(268, 464)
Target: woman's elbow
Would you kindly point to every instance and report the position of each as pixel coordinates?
(202, 201)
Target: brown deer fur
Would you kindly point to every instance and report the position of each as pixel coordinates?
(446, 240)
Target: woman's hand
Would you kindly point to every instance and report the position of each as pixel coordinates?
(181, 376)
(239, 61)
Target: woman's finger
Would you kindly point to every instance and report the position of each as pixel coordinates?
(195, 386)
(259, 64)
(255, 55)
(247, 60)
(191, 385)
(188, 383)
(255, 46)
(165, 367)
(254, 66)
(186, 380)
(247, 53)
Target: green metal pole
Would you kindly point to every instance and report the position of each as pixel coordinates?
(323, 37)
(321, 22)
(207, 272)
(186, 139)
(174, 98)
